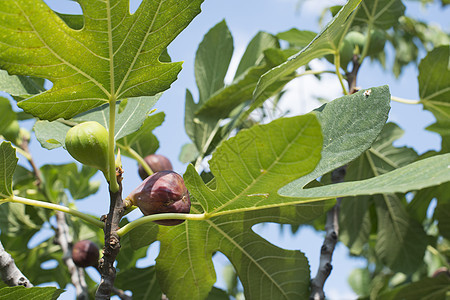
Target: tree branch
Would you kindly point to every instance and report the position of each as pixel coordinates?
(351, 76)
(121, 294)
(112, 242)
(331, 238)
(64, 239)
(10, 273)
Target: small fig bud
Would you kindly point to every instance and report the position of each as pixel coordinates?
(85, 254)
(156, 162)
(162, 192)
(88, 143)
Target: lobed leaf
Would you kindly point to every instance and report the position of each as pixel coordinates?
(114, 56)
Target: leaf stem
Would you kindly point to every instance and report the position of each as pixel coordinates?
(337, 64)
(48, 205)
(113, 185)
(130, 226)
(138, 158)
(404, 101)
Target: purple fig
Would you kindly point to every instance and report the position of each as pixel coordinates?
(85, 253)
(162, 192)
(156, 162)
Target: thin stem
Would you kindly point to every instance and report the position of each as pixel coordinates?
(113, 185)
(404, 101)
(138, 158)
(132, 225)
(48, 205)
(337, 64)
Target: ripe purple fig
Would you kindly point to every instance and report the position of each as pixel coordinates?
(156, 162)
(85, 253)
(162, 192)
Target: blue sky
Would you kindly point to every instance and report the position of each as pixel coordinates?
(245, 19)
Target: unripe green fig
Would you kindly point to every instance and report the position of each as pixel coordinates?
(356, 39)
(156, 162)
(162, 192)
(88, 143)
(85, 254)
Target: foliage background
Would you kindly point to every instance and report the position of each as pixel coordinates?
(245, 19)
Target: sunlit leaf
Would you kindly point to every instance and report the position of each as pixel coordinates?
(114, 56)
(35, 293)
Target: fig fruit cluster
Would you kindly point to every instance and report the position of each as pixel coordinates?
(156, 162)
(85, 253)
(162, 192)
(88, 143)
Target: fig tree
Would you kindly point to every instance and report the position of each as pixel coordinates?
(162, 192)
(156, 162)
(85, 254)
(88, 143)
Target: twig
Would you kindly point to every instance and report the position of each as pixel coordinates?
(64, 239)
(351, 76)
(112, 242)
(10, 273)
(331, 238)
(121, 294)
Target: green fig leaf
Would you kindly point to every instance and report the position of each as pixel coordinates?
(101, 66)
(382, 14)
(8, 163)
(434, 90)
(35, 293)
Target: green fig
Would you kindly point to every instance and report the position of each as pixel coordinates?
(88, 143)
